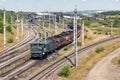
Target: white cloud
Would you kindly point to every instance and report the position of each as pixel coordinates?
(84, 0)
(2, 0)
(116, 0)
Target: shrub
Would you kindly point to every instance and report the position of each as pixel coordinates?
(99, 33)
(66, 48)
(10, 40)
(28, 56)
(89, 38)
(1, 27)
(79, 43)
(85, 36)
(99, 49)
(9, 29)
(65, 71)
(95, 33)
(106, 33)
(119, 61)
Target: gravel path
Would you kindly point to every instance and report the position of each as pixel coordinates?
(104, 69)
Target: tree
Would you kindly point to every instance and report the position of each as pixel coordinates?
(1, 27)
(9, 29)
(116, 22)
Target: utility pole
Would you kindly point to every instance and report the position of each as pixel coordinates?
(4, 14)
(43, 20)
(83, 27)
(17, 21)
(63, 23)
(49, 21)
(111, 28)
(53, 18)
(43, 28)
(59, 19)
(22, 25)
(55, 25)
(75, 37)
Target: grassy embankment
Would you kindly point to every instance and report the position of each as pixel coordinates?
(116, 61)
(103, 30)
(88, 61)
(10, 37)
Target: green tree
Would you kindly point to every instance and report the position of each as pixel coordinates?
(9, 29)
(116, 22)
(1, 27)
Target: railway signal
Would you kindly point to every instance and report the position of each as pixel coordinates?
(4, 14)
(75, 37)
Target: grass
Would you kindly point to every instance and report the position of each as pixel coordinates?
(116, 61)
(65, 71)
(99, 49)
(10, 40)
(67, 47)
(100, 29)
(88, 61)
(9, 36)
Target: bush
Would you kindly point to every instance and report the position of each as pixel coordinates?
(65, 71)
(99, 49)
(10, 40)
(85, 36)
(79, 43)
(99, 33)
(106, 33)
(9, 29)
(28, 56)
(119, 61)
(89, 38)
(1, 27)
(66, 48)
(95, 33)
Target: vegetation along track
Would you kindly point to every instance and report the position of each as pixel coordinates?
(14, 46)
(46, 72)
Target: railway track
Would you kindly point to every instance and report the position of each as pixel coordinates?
(45, 73)
(11, 53)
(20, 69)
(17, 58)
(6, 61)
(29, 64)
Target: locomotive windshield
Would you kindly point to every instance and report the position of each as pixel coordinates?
(37, 48)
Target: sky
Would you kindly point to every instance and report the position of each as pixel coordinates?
(59, 5)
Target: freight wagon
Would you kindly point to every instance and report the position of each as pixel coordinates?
(41, 49)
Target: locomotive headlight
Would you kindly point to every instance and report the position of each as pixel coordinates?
(43, 53)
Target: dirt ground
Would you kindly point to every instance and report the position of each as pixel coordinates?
(104, 69)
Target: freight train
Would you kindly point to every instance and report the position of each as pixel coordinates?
(42, 49)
